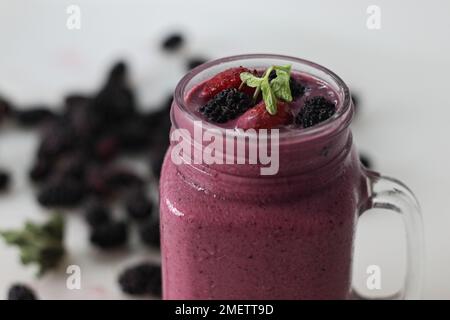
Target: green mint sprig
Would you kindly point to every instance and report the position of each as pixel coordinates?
(39, 244)
(277, 88)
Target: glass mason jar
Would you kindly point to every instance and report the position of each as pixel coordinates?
(228, 232)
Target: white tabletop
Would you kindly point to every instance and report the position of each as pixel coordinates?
(400, 72)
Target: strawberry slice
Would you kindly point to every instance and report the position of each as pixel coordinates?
(227, 79)
(258, 117)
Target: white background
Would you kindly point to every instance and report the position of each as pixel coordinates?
(400, 72)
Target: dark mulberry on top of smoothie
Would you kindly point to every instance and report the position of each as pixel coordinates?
(263, 99)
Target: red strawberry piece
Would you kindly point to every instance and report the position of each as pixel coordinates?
(258, 117)
(227, 79)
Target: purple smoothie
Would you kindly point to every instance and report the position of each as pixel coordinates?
(229, 233)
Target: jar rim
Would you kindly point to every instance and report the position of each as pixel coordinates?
(341, 119)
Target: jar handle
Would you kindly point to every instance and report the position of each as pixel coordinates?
(392, 195)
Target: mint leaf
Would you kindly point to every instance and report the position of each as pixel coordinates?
(286, 68)
(281, 84)
(40, 244)
(13, 237)
(278, 88)
(250, 79)
(270, 100)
